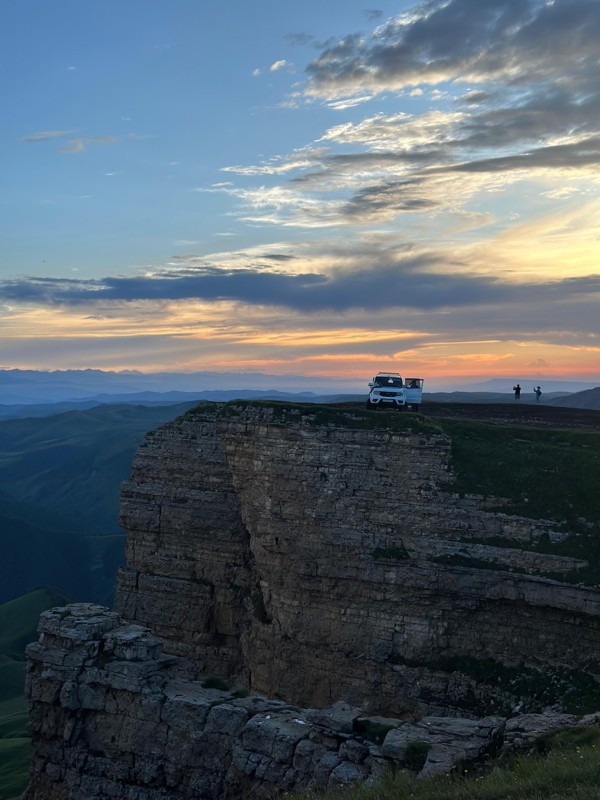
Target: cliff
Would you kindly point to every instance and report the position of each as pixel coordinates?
(114, 718)
(322, 554)
(333, 561)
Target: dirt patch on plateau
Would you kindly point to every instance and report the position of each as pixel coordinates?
(516, 414)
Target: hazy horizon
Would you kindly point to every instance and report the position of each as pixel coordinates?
(63, 384)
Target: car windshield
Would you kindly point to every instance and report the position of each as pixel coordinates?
(388, 380)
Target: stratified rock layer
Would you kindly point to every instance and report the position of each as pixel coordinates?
(113, 717)
(316, 559)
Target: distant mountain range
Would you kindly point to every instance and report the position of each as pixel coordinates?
(35, 387)
(590, 398)
(167, 398)
(78, 387)
(527, 386)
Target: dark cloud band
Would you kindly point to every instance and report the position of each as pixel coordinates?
(410, 284)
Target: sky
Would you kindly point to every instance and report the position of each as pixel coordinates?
(317, 188)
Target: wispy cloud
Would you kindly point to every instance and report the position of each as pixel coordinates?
(300, 39)
(43, 136)
(75, 144)
(279, 165)
(349, 102)
(79, 143)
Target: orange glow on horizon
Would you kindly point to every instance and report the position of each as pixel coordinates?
(225, 337)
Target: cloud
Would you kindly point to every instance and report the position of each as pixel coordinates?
(539, 363)
(473, 98)
(581, 154)
(76, 144)
(499, 40)
(299, 39)
(384, 309)
(79, 143)
(385, 201)
(278, 165)
(411, 280)
(532, 110)
(562, 193)
(350, 102)
(401, 283)
(534, 120)
(43, 136)
(349, 306)
(401, 132)
(457, 192)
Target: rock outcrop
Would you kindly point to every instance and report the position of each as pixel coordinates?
(114, 717)
(311, 556)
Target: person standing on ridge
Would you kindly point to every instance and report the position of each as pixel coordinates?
(537, 392)
(517, 391)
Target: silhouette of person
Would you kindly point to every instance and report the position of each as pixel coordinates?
(537, 391)
(517, 391)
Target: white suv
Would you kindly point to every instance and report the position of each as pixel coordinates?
(386, 390)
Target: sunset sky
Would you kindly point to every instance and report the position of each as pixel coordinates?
(316, 188)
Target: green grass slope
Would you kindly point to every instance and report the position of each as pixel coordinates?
(15, 757)
(59, 497)
(552, 473)
(565, 766)
(589, 398)
(65, 463)
(18, 624)
(19, 619)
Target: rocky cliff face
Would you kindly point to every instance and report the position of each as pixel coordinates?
(113, 717)
(312, 557)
